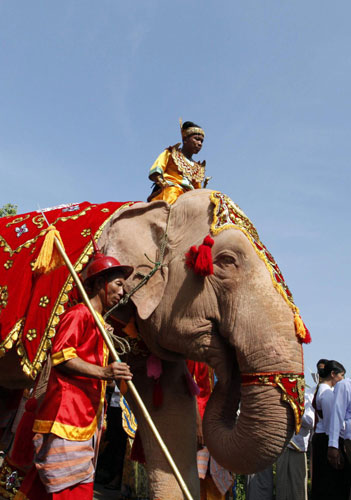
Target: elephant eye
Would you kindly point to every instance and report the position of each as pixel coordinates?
(226, 260)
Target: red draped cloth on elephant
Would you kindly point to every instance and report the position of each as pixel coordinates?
(30, 304)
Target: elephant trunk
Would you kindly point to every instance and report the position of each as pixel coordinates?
(252, 441)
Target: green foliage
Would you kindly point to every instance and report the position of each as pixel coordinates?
(8, 209)
(240, 487)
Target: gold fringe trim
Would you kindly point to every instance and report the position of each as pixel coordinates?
(12, 337)
(299, 326)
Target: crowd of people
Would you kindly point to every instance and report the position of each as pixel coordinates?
(320, 451)
(325, 435)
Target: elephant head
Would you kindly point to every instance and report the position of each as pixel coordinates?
(235, 320)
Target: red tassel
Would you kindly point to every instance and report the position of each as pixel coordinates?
(153, 367)
(200, 260)
(157, 395)
(137, 453)
(23, 449)
(308, 338)
(204, 264)
(191, 256)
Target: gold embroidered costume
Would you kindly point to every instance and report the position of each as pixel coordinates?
(178, 172)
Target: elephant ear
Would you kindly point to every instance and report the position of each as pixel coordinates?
(134, 236)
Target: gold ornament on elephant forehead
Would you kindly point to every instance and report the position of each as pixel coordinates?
(228, 215)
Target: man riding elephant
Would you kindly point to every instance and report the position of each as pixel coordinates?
(175, 172)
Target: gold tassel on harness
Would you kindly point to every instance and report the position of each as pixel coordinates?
(49, 258)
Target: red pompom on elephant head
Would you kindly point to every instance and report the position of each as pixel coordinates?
(200, 259)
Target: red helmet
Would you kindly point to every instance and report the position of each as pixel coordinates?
(101, 264)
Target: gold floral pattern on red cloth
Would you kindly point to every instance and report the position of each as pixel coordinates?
(27, 306)
(31, 334)
(8, 342)
(44, 301)
(86, 232)
(291, 385)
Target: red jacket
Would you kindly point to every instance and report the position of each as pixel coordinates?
(73, 404)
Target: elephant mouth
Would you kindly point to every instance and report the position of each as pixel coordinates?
(205, 344)
(217, 352)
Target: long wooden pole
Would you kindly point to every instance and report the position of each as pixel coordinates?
(130, 384)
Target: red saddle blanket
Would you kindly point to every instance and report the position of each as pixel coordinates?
(31, 304)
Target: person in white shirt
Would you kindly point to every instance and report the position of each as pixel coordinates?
(291, 476)
(340, 423)
(327, 483)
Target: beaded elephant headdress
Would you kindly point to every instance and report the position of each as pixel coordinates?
(227, 215)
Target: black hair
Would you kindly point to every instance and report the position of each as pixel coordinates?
(322, 361)
(331, 366)
(189, 124)
(108, 275)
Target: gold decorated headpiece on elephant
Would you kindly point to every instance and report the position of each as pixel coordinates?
(226, 215)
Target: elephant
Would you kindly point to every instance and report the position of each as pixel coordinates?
(235, 320)
(238, 318)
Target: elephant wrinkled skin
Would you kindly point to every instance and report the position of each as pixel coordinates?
(234, 320)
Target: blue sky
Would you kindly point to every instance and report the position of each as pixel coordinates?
(91, 92)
